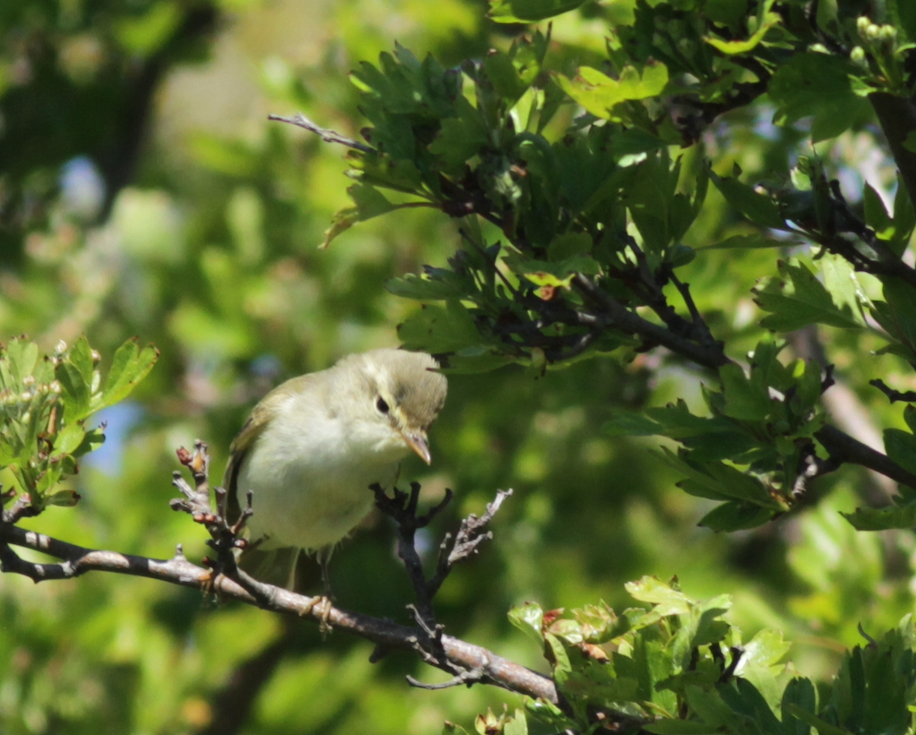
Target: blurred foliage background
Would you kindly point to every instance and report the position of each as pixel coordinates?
(143, 192)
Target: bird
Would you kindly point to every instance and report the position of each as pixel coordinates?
(314, 445)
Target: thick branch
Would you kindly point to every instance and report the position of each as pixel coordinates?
(843, 446)
(626, 321)
(178, 570)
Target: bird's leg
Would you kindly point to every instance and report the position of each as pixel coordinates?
(324, 559)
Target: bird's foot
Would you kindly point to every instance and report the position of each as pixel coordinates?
(324, 603)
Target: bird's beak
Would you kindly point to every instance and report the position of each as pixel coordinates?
(417, 441)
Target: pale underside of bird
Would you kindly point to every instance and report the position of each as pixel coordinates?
(315, 444)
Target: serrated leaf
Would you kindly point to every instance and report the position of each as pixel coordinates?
(759, 208)
(655, 591)
(437, 329)
(529, 11)
(22, 356)
(569, 245)
(129, 366)
(901, 448)
(631, 423)
(736, 516)
(818, 85)
(745, 399)
(80, 355)
(735, 47)
(412, 286)
(599, 93)
(529, 618)
(797, 298)
(69, 438)
(883, 519)
(74, 391)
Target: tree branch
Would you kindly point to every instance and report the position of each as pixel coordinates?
(328, 136)
(78, 560)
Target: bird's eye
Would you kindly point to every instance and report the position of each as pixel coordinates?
(381, 405)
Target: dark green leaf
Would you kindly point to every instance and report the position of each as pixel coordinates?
(735, 516)
(815, 85)
(529, 11)
(437, 329)
(759, 208)
(797, 298)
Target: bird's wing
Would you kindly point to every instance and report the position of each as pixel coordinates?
(245, 440)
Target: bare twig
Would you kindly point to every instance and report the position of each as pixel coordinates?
(470, 535)
(328, 136)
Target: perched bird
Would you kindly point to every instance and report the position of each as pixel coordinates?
(312, 447)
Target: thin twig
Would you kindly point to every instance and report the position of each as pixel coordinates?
(893, 395)
(328, 136)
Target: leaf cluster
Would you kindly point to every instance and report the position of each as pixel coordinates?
(675, 666)
(45, 402)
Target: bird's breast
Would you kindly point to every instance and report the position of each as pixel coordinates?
(310, 482)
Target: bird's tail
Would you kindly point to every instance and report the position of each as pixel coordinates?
(276, 566)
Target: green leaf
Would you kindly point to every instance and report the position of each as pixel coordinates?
(653, 590)
(745, 399)
(799, 693)
(460, 138)
(901, 448)
(569, 245)
(529, 618)
(80, 356)
(22, 357)
(74, 392)
(899, 316)
(815, 85)
(437, 329)
(876, 215)
(883, 519)
(529, 11)
(732, 48)
(736, 516)
(759, 208)
(797, 298)
(904, 217)
(599, 94)
(129, 366)
(69, 439)
(412, 286)
(631, 423)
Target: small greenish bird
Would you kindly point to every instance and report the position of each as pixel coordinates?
(312, 447)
